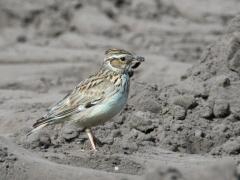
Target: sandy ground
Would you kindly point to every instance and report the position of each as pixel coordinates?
(182, 117)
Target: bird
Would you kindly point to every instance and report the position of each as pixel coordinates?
(96, 99)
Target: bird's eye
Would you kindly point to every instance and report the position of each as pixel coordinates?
(122, 58)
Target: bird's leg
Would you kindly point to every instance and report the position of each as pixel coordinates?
(91, 138)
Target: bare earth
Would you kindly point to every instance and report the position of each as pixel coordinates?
(182, 120)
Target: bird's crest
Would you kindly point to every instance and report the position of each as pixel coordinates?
(115, 51)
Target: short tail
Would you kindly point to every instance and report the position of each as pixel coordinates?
(42, 122)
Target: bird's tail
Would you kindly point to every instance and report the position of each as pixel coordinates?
(39, 124)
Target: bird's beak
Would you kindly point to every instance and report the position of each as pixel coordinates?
(137, 61)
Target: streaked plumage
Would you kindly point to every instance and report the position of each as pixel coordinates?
(96, 99)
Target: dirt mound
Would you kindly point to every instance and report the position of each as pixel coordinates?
(203, 111)
(201, 114)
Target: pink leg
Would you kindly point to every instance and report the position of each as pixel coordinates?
(91, 138)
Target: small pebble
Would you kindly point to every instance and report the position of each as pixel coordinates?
(44, 139)
(206, 111)
(116, 133)
(185, 101)
(234, 63)
(198, 133)
(69, 133)
(223, 81)
(150, 105)
(221, 109)
(179, 113)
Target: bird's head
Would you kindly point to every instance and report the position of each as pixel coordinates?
(121, 61)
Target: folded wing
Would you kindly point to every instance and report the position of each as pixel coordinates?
(86, 95)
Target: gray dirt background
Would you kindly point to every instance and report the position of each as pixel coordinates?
(182, 120)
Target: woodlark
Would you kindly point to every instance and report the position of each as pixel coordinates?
(96, 99)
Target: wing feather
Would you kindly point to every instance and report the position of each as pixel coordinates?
(86, 95)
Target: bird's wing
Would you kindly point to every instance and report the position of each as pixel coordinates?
(87, 94)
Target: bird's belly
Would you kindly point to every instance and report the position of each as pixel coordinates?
(104, 111)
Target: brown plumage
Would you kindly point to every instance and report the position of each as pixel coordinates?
(96, 99)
